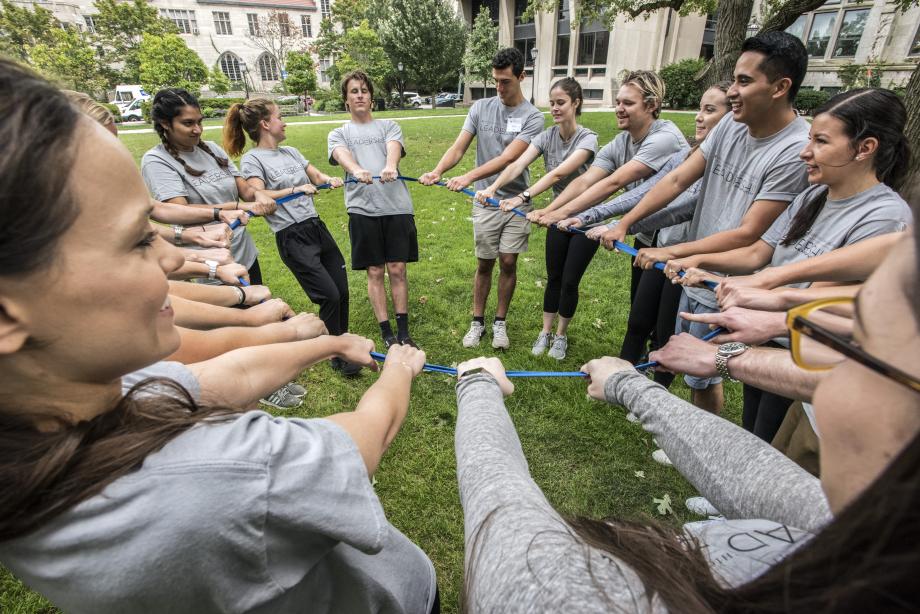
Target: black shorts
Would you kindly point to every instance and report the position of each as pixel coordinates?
(378, 240)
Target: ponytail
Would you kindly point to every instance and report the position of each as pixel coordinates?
(245, 117)
(234, 139)
(805, 218)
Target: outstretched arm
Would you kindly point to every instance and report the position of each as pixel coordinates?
(449, 160)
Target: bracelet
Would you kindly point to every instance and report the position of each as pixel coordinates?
(177, 234)
(292, 188)
(242, 292)
(216, 212)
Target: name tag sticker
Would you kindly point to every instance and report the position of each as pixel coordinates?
(514, 124)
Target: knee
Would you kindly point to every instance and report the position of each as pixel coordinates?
(508, 264)
(375, 274)
(396, 271)
(484, 267)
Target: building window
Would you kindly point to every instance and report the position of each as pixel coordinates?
(851, 29)
(915, 47)
(268, 68)
(562, 49)
(324, 9)
(822, 27)
(490, 5)
(184, 20)
(797, 28)
(230, 66)
(593, 94)
(222, 23)
(90, 24)
(524, 45)
(305, 26)
(284, 24)
(324, 65)
(592, 47)
(520, 6)
(563, 9)
(253, 20)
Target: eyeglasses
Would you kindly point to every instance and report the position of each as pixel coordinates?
(821, 336)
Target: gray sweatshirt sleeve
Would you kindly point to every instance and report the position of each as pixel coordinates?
(680, 210)
(742, 475)
(521, 556)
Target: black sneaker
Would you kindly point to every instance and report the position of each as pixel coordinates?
(407, 340)
(346, 368)
(390, 340)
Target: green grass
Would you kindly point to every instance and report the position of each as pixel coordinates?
(583, 454)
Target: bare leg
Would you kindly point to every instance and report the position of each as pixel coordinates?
(399, 286)
(482, 284)
(507, 280)
(711, 399)
(562, 326)
(377, 292)
(548, 321)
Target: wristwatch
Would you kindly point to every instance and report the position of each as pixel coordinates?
(177, 234)
(216, 214)
(212, 268)
(724, 353)
(526, 196)
(472, 371)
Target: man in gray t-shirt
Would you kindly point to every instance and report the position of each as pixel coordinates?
(504, 126)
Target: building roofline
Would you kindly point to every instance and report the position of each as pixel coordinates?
(293, 4)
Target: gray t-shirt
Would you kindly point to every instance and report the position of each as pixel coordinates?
(663, 140)
(527, 559)
(281, 169)
(876, 211)
(368, 144)
(495, 126)
(555, 151)
(255, 514)
(740, 170)
(166, 178)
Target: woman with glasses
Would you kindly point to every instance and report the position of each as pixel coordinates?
(789, 542)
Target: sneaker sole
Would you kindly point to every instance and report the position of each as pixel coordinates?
(264, 402)
(472, 345)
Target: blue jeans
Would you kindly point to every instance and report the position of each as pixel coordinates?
(698, 330)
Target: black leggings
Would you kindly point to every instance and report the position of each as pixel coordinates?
(636, 271)
(314, 258)
(567, 258)
(653, 309)
(763, 412)
(255, 273)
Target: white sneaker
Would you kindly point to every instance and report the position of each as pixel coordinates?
(660, 457)
(560, 345)
(541, 344)
(500, 339)
(701, 506)
(473, 336)
(282, 399)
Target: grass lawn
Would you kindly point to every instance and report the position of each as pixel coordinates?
(584, 455)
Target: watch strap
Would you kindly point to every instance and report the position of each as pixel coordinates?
(177, 234)
(216, 213)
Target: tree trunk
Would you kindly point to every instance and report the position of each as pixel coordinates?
(910, 191)
(786, 14)
(731, 29)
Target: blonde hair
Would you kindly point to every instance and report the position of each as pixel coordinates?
(90, 107)
(245, 117)
(651, 85)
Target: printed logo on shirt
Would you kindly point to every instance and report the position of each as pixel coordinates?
(209, 177)
(275, 174)
(811, 246)
(733, 176)
(364, 140)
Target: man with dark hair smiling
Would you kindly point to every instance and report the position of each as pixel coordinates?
(504, 126)
(751, 172)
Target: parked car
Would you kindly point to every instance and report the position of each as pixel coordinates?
(133, 111)
(412, 99)
(446, 100)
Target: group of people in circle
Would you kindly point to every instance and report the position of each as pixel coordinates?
(138, 477)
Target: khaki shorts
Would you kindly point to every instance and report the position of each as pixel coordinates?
(495, 232)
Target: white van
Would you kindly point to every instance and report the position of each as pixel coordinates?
(126, 95)
(133, 111)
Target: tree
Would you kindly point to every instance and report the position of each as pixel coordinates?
(427, 37)
(21, 28)
(166, 61)
(120, 27)
(301, 72)
(69, 59)
(344, 16)
(911, 189)
(363, 51)
(218, 81)
(681, 88)
(481, 47)
(277, 36)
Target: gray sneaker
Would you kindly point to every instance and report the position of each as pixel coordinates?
(541, 344)
(282, 399)
(473, 335)
(500, 339)
(560, 345)
(296, 389)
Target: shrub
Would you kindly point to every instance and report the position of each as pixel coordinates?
(681, 88)
(806, 101)
(145, 109)
(113, 108)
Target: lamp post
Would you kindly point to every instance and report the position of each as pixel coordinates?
(244, 70)
(400, 84)
(533, 85)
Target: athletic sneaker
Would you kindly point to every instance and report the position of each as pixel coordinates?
(661, 458)
(701, 506)
(296, 389)
(346, 368)
(407, 340)
(282, 399)
(474, 335)
(541, 344)
(560, 345)
(500, 339)
(389, 340)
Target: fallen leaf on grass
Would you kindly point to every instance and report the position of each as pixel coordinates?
(430, 235)
(539, 283)
(664, 505)
(598, 323)
(439, 280)
(639, 474)
(528, 259)
(422, 300)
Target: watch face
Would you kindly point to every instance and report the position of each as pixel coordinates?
(732, 348)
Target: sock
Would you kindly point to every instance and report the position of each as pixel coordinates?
(498, 319)
(402, 325)
(480, 319)
(385, 329)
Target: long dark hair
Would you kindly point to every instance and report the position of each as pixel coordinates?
(865, 112)
(43, 474)
(167, 104)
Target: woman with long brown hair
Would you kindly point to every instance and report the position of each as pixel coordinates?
(122, 493)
